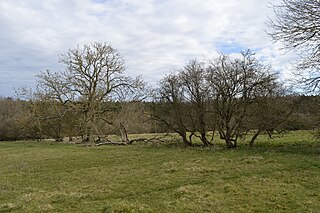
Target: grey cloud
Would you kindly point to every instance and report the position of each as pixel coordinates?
(154, 36)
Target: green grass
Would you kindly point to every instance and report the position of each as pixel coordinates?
(278, 175)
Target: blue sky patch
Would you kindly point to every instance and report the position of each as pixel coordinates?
(233, 47)
(230, 47)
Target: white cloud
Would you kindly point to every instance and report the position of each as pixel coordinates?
(154, 36)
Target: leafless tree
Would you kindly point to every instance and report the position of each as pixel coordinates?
(270, 111)
(170, 107)
(196, 90)
(234, 85)
(93, 76)
(297, 26)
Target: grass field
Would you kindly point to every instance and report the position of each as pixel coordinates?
(278, 175)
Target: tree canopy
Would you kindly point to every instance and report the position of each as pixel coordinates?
(297, 26)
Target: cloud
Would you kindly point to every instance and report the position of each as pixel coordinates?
(154, 36)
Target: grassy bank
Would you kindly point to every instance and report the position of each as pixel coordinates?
(278, 175)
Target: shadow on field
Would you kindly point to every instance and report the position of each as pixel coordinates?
(303, 147)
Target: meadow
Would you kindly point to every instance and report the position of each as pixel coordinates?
(277, 175)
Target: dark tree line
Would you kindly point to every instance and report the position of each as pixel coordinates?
(37, 120)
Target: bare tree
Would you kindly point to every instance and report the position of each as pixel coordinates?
(297, 26)
(170, 107)
(234, 85)
(93, 76)
(196, 91)
(270, 111)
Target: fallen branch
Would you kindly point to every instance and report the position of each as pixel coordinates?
(153, 139)
(129, 142)
(111, 143)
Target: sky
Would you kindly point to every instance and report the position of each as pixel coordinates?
(154, 37)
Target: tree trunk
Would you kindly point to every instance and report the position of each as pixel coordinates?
(229, 143)
(254, 138)
(227, 138)
(124, 133)
(204, 139)
(184, 139)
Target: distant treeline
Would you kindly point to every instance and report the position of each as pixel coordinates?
(28, 120)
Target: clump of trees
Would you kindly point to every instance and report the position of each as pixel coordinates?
(93, 98)
(214, 96)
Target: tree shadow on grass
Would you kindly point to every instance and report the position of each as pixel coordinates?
(301, 147)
